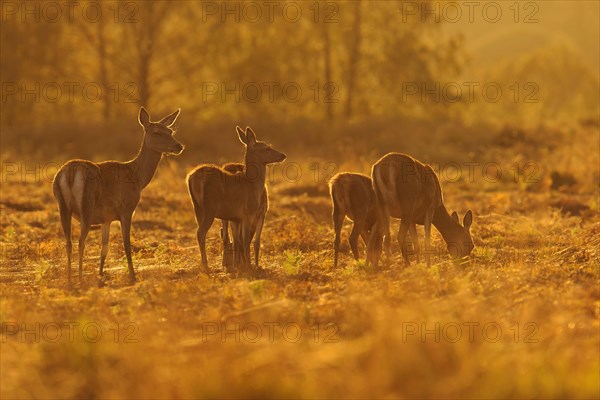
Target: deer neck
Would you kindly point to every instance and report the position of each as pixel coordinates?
(445, 224)
(145, 164)
(255, 171)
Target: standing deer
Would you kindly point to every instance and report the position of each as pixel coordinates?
(407, 189)
(217, 193)
(229, 255)
(352, 196)
(100, 193)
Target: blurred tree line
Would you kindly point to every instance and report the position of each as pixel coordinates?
(324, 60)
(327, 61)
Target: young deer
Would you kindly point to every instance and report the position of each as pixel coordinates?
(217, 193)
(100, 193)
(352, 196)
(229, 255)
(407, 189)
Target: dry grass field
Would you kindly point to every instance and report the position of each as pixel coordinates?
(500, 97)
(519, 320)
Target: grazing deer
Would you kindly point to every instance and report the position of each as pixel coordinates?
(407, 189)
(217, 193)
(229, 255)
(352, 196)
(100, 193)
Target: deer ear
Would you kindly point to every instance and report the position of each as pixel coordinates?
(455, 217)
(241, 135)
(250, 135)
(170, 119)
(144, 117)
(468, 219)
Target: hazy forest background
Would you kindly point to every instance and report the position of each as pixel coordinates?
(352, 72)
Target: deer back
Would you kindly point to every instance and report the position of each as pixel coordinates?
(353, 194)
(404, 185)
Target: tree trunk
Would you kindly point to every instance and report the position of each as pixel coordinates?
(353, 58)
(143, 79)
(104, 71)
(328, 78)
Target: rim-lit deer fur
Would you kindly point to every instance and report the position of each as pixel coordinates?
(217, 193)
(352, 196)
(229, 255)
(407, 189)
(100, 193)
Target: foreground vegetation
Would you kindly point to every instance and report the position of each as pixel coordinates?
(520, 319)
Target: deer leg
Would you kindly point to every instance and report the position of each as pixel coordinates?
(225, 239)
(240, 244)
(374, 245)
(365, 236)
(104, 251)
(387, 242)
(384, 230)
(86, 207)
(427, 224)
(247, 231)
(85, 228)
(237, 244)
(227, 245)
(225, 230)
(251, 234)
(259, 227)
(353, 239)
(126, 232)
(379, 229)
(65, 220)
(201, 233)
(204, 222)
(402, 232)
(338, 220)
(415, 241)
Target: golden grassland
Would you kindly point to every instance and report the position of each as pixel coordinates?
(520, 319)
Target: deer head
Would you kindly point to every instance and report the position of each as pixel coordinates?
(258, 153)
(460, 244)
(158, 136)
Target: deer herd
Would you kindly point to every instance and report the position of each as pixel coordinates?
(96, 194)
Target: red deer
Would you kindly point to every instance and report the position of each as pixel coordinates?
(410, 190)
(229, 256)
(217, 193)
(352, 196)
(100, 193)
